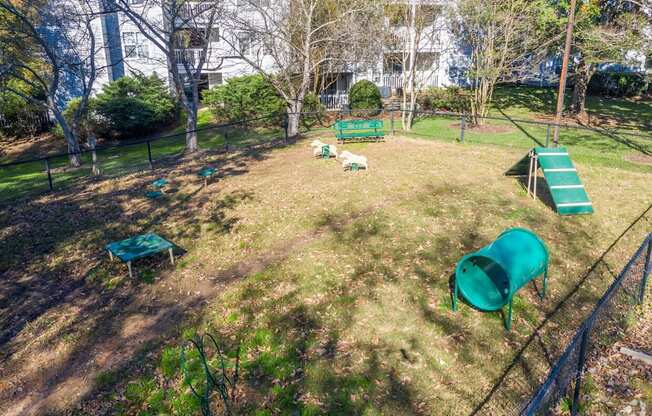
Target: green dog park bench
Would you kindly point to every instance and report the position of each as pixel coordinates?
(140, 246)
(358, 130)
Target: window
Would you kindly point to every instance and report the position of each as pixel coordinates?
(245, 43)
(135, 45)
(214, 79)
(214, 35)
(136, 2)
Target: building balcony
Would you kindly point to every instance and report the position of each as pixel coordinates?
(189, 56)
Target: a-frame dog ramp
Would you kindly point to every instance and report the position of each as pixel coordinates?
(568, 193)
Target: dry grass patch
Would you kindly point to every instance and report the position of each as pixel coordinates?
(335, 283)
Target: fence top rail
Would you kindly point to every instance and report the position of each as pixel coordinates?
(533, 404)
(137, 142)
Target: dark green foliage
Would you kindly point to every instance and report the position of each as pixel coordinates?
(452, 99)
(129, 107)
(365, 95)
(19, 118)
(617, 84)
(244, 98)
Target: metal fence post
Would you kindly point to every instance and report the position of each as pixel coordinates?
(47, 170)
(548, 135)
(462, 128)
(580, 369)
(286, 125)
(226, 140)
(647, 268)
(149, 155)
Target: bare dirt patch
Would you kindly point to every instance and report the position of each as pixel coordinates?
(639, 158)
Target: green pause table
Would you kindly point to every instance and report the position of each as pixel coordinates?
(138, 247)
(566, 188)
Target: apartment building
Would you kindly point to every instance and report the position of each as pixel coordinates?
(440, 60)
(128, 51)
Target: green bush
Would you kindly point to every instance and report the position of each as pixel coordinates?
(243, 98)
(453, 99)
(132, 106)
(617, 84)
(365, 95)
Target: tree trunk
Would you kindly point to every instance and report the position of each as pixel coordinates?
(583, 75)
(192, 107)
(294, 117)
(73, 144)
(191, 130)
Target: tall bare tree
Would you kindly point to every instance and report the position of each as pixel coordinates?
(416, 34)
(504, 37)
(288, 41)
(62, 57)
(183, 32)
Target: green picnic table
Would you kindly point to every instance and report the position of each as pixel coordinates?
(140, 246)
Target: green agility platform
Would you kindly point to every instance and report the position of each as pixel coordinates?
(566, 188)
(160, 183)
(140, 246)
(489, 278)
(206, 173)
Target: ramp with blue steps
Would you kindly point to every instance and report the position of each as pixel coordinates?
(566, 188)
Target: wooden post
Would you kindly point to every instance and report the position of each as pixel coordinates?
(564, 70)
(129, 267)
(171, 255)
(391, 114)
(149, 155)
(462, 128)
(226, 140)
(47, 170)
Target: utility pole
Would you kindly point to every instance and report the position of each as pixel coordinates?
(564, 70)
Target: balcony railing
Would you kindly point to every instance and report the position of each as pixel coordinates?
(395, 81)
(189, 56)
(334, 101)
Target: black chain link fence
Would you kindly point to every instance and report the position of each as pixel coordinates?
(44, 174)
(606, 324)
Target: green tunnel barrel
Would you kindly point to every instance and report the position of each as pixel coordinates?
(489, 278)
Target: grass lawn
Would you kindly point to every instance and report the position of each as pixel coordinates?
(30, 178)
(334, 284)
(603, 145)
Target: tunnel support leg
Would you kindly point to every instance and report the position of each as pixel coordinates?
(508, 321)
(455, 296)
(545, 283)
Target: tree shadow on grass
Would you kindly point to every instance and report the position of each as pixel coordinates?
(56, 286)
